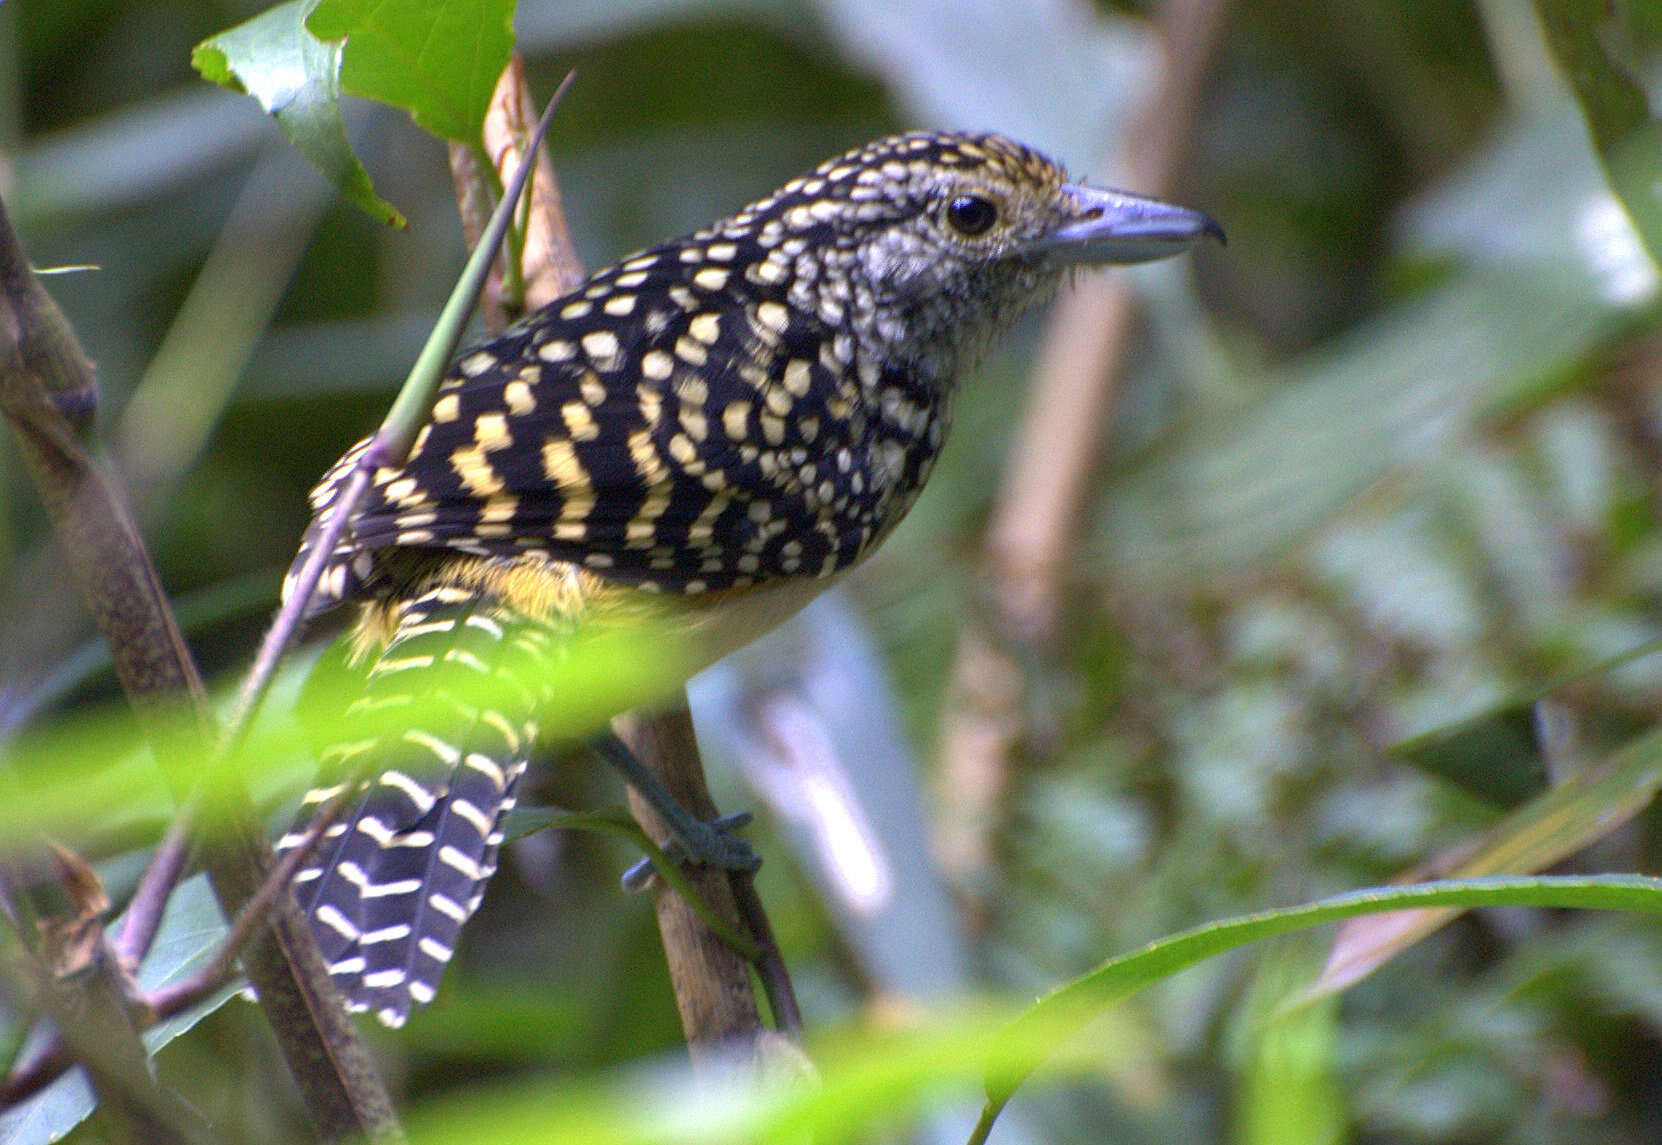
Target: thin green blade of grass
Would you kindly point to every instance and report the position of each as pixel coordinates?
(1061, 1014)
(1544, 831)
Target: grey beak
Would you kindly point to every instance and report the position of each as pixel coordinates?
(1117, 227)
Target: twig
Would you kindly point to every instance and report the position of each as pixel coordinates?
(75, 977)
(548, 263)
(39, 357)
(711, 980)
(54, 1058)
(34, 1075)
(144, 912)
(1030, 538)
(389, 447)
(712, 985)
(770, 966)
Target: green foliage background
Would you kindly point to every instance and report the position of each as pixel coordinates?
(1385, 465)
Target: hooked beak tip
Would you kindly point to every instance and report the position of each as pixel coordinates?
(1114, 227)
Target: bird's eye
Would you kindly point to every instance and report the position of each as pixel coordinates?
(971, 214)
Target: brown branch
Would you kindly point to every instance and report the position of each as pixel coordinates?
(143, 918)
(547, 265)
(74, 975)
(548, 262)
(55, 1058)
(40, 360)
(1030, 539)
(712, 982)
(770, 965)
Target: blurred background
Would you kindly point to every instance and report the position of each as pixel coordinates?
(1155, 646)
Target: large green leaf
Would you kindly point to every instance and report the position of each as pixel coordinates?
(1057, 1017)
(437, 59)
(869, 1080)
(296, 78)
(1546, 830)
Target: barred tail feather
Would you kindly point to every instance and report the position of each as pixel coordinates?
(389, 885)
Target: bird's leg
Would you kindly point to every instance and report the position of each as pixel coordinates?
(709, 843)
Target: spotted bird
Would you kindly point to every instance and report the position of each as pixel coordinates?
(732, 420)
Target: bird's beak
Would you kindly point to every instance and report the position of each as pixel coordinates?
(1115, 227)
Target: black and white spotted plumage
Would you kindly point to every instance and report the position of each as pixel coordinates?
(739, 414)
(450, 700)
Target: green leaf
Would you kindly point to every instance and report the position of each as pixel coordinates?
(1061, 1014)
(1493, 756)
(296, 78)
(1544, 831)
(1628, 140)
(1288, 1089)
(873, 1080)
(191, 931)
(437, 59)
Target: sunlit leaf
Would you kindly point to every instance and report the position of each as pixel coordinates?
(1289, 1089)
(437, 59)
(296, 77)
(1625, 133)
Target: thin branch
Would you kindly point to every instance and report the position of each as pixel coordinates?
(712, 985)
(73, 973)
(710, 978)
(52, 1060)
(105, 555)
(389, 447)
(1030, 538)
(770, 965)
(143, 918)
(548, 263)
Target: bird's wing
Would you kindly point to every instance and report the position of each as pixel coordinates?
(637, 428)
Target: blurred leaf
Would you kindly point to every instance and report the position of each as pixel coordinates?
(437, 59)
(1628, 140)
(1494, 756)
(1239, 488)
(69, 781)
(976, 65)
(192, 929)
(1558, 824)
(1536, 286)
(1289, 1093)
(296, 77)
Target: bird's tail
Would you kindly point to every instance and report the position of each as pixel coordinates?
(429, 764)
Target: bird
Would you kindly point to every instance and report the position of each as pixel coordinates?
(727, 422)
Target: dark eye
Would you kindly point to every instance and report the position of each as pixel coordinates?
(971, 214)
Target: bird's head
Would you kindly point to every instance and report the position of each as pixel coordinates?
(924, 246)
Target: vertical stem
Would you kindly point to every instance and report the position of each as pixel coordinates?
(711, 980)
